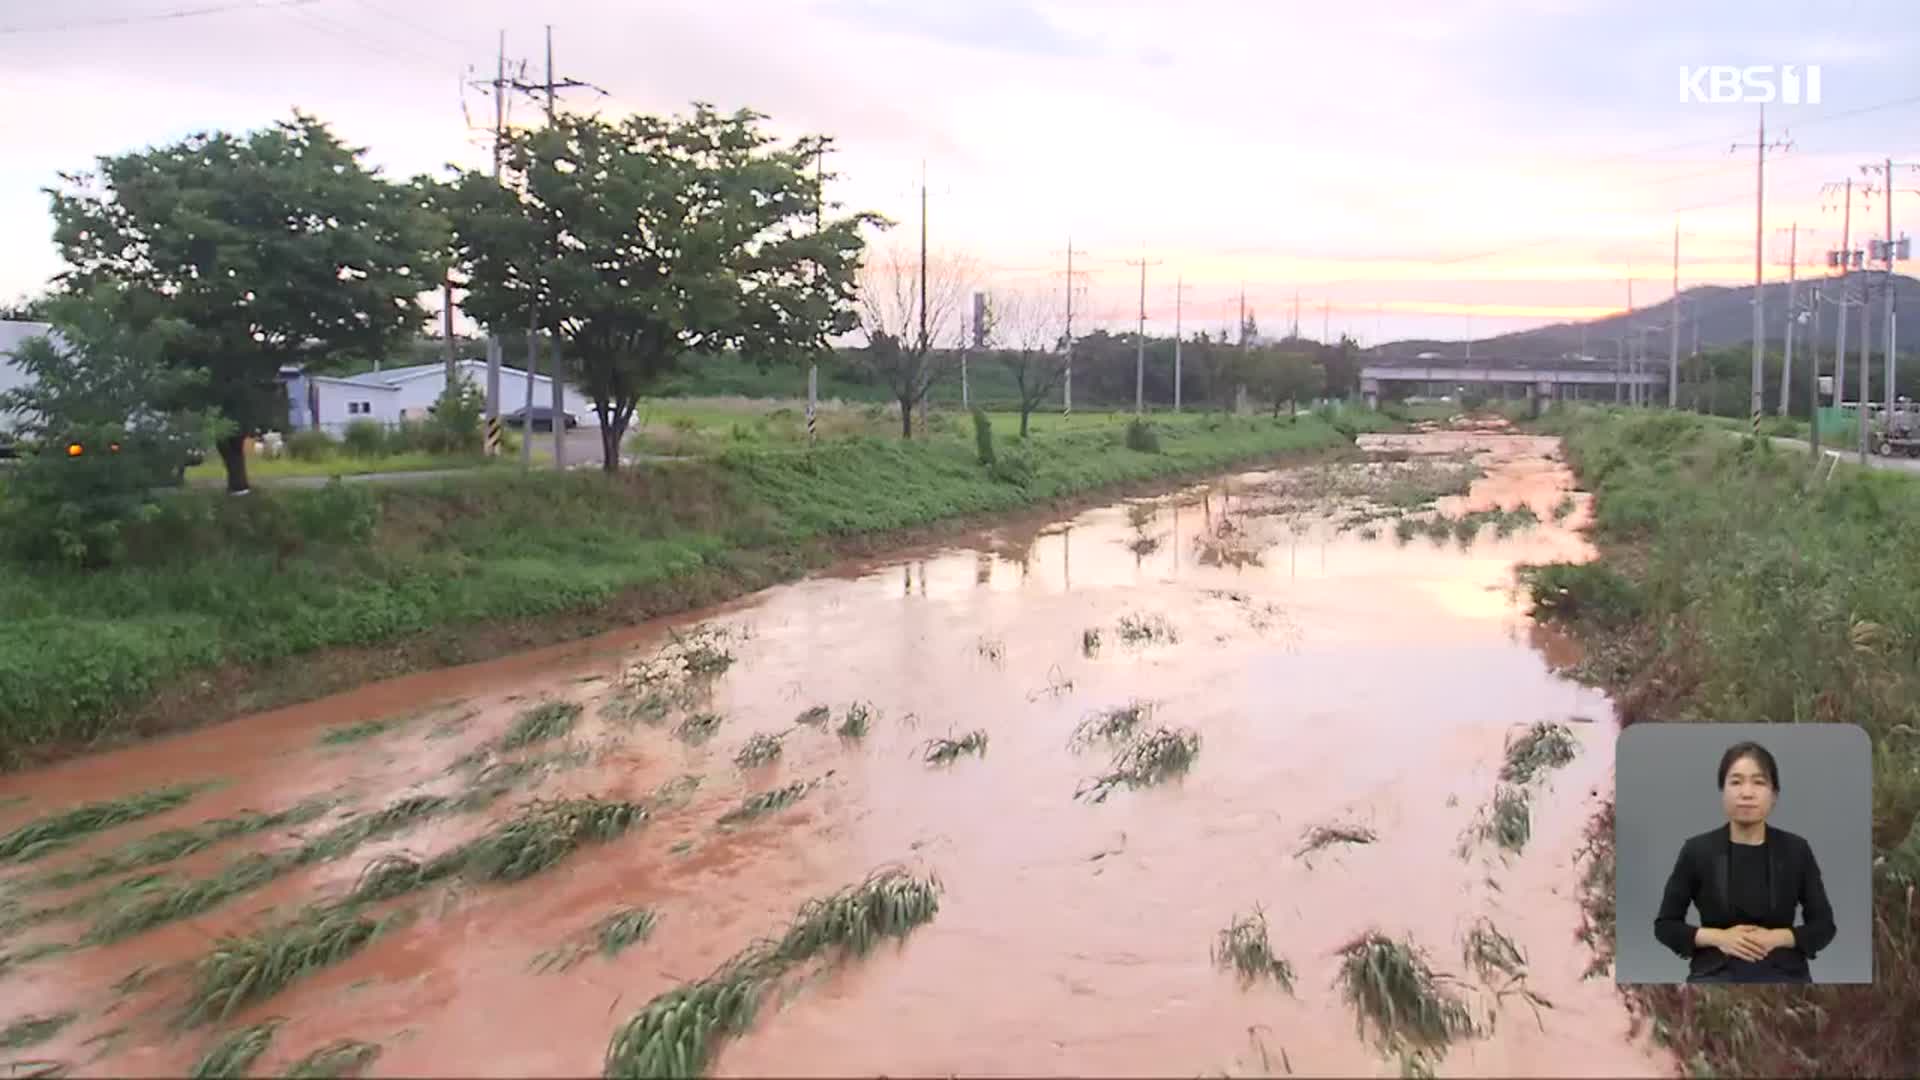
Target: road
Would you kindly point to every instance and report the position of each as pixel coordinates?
(1850, 455)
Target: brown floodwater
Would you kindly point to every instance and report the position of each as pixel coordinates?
(1333, 676)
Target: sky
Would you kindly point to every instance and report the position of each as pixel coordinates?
(1406, 168)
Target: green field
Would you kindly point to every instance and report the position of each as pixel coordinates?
(1730, 589)
(288, 572)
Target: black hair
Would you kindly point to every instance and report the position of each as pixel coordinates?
(1761, 757)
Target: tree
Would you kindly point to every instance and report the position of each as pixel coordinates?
(1277, 375)
(642, 242)
(1029, 329)
(92, 386)
(270, 249)
(897, 351)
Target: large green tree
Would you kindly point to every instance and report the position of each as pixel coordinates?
(273, 248)
(641, 242)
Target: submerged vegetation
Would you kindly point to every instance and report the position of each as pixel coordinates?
(1327, 835)
(45, 835)
(942, 751)
(1243, 946)
(1545, 746)
(1408, 1008)
(676, 1034)
(1114, 723)
(1146, 758)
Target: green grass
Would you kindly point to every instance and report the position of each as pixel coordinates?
(761, 748)
(1730, 589)
(677, 1033)
(27, 954)
(1406, 1005)
(366, 729)
(943, 751)
(170, 844)
(284, 573)
(547, 720)
(542, 833)
(236, 1052)
(46, 835)
(1244, 947)
(1546, 745)
(768, 802)
(623, 928)
(32, 1030)
(1326, 835)
(267, 470)
(1147, 758)
(340, 1058)
(242, 970)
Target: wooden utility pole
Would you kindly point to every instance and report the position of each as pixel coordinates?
(1844, 259)
(1140, 342)
(1179, 296)
(1813, 380)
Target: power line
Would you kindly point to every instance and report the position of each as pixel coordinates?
(160, 16)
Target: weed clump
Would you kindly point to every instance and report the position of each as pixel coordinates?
(55, 831)
(676, 1033)
(857, 722)
(1322, 836)
(1546, 745)
(236, 1053)
(547, 720)
(542, 834)
(1135, 629)
(1145, 759)
(768, 802)
(760, 749)
(815, 716)
(1507, 821)
(170, 844)
(1090, 641)
(944, 751)
(242, 970)
(1243, 946)
(1115, 723)
(341, 1058)
(698, 728)
(1141, 436)
(1409, 1006)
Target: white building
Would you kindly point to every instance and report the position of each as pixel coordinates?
(14, 334)
(408, 393)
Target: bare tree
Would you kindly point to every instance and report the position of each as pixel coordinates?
(1029, 328)
(898, 350)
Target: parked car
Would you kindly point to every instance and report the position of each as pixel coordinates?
(542, 419)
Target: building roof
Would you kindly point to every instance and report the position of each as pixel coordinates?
(354, 381)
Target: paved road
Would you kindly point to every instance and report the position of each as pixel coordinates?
(1849, 456)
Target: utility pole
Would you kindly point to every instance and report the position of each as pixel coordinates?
(1326, 320)
(1760, 149)
(1620, 389)
(1786, 361)
(1813, 379)
(1673, 338)
(1844, 260)
(550, 90)
(1295, 334)
(1140, 342)
(1179, 297)
(1893, 250)
(813, 364)
(1066, 394)
(925, 358)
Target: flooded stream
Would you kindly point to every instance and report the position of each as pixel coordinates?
(1334, 671)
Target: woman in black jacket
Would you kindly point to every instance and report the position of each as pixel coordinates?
(1746, 878)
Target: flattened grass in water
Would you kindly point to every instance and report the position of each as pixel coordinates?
(857, 722)
(611, 935)
(698, 728)
(542, 834)
(1115, 723)
(768, 802)
(676, 1033)
(1136, 628)
(1323, 836)
(48, 834)
(365, 729)
(234, 1054)
(1243, 946)
(343, 1057)
(27, 954)
(815, 716)
(547, 720)
(243, 970)
(32, 1030)
(1147, 758)
(1507, 821)
(760, 749)
(942, 751)
(1408, 1005)
(171, 844)
(1546, 745)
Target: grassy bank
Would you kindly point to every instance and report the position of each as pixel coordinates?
(1727, 591)
(261, 582)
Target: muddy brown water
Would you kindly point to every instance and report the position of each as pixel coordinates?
(1337, 679)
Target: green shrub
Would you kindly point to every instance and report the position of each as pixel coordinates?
(311, 445)
(459, 416)
(365, 438)
(1590, 591)
(1014, 468)
(1142, 437)
(983, 436)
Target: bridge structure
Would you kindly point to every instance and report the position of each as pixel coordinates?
(1547, 381)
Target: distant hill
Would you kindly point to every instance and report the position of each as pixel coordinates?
(1722, 316)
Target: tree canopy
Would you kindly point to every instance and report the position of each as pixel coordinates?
(641, 241)
(277, 247)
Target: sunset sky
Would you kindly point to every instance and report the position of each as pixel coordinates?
(1422, 168)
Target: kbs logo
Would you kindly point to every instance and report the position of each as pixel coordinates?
(1764, 84)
